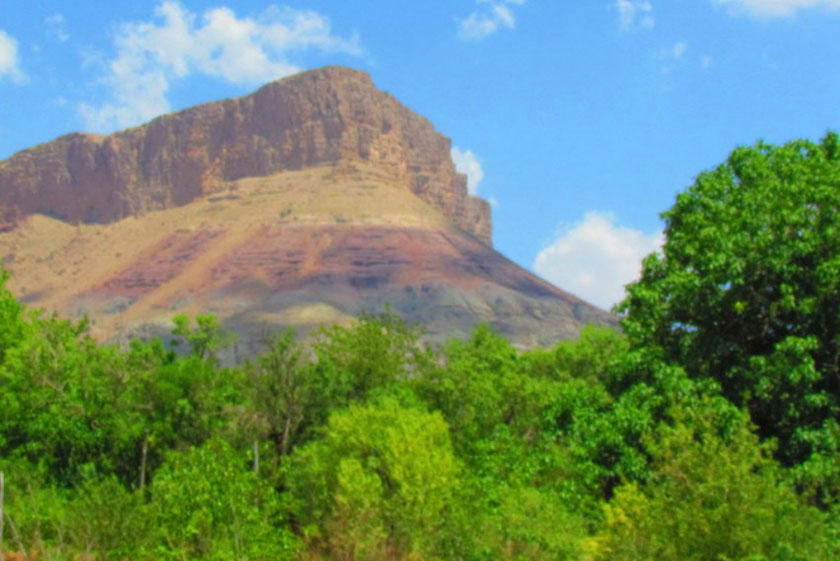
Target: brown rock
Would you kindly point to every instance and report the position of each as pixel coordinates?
(325, 116)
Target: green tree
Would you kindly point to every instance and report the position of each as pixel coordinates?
(205, 339)
(530, 524)
(481, 383)
(378, 481)
(745, 289)
(589, 357)
(714, 493)
(58, 405)
(167, 401)
(278, 390)
(12, 326)
(210, 506)
(371, 357)
(106, 520)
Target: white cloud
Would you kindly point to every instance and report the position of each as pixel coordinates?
(775, 8)
(673, 53)
(634, 13)
(596, 258)
(9, 59)
(55, 23)
(177, 44)
(468, 163)
(487, 19)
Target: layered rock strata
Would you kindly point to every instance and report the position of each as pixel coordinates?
(325, 116)
(304, 204)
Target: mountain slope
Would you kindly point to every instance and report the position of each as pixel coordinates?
(291, 244)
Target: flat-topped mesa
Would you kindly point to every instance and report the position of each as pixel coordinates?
(326, 116)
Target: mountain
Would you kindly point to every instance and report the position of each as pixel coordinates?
(309, 201)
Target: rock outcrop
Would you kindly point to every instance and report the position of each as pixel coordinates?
(325, 116)
(307, 203)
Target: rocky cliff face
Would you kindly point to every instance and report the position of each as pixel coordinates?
(321, 117)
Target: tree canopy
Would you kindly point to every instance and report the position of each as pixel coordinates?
(745, 290)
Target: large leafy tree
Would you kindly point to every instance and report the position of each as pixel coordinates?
(745, 290)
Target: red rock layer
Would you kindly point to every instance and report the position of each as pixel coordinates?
(444, 280)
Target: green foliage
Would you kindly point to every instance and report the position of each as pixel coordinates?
(491, 521)
(209, 506)
(591, 357)
(278, 391)
(379, 480)
(106, 520)
(373, 357)
(12, 326)
(57, 399)
(712, 496)
(531, 524)
(99, 517)
(205, 339)
(36, 508)
(377, 351)
(171, 401)
(482, 383)
(745, 290)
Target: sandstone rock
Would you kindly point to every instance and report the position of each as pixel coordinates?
(325, 116)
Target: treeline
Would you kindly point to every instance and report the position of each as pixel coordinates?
(706, 430)
(369, 446)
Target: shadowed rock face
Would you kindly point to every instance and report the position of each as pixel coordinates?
(307, 203)
(324, 116)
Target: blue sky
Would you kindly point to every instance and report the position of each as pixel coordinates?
(579, 120)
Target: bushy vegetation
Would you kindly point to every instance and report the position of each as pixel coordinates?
(707, 429)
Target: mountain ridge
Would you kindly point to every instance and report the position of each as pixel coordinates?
(358, 219)
(317, 117)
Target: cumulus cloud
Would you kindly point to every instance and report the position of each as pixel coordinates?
(9, 59)
(775, 8)
(150, 56)
(467, 162)
(596, 258)
(634, 14)
(488, 17)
